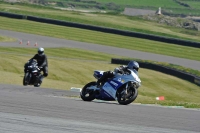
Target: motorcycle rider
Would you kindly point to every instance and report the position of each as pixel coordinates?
(119, 70)
(42, 62)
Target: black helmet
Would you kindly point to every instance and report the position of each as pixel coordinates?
(133, 65)
(40, 51)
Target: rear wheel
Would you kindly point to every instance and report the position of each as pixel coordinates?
(87, 94)
(126, 97)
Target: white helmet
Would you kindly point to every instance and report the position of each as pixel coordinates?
(133, 65)
(40, 51)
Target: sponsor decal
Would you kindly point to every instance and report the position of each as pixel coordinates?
(113, 83)
(120, 80)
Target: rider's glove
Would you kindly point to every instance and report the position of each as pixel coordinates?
(116, 70)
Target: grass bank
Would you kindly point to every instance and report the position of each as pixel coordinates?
(100, 38)
(7, 39)
(67, 69)
(105, 39)
(122, 22)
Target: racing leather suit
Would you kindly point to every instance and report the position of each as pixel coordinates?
(42, 63)
(109, 74)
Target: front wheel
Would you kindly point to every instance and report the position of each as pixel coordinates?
(26, 79)
(86, 94)
(38, 81)
(127, 97)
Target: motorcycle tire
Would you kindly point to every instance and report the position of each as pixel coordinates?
(91, 93)
(132, 97)
(38, 83)
(26, 79)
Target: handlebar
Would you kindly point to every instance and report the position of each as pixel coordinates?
(39, 68)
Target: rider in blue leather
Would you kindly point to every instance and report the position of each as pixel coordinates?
(119, 70)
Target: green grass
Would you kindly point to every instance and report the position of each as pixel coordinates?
(105, 20)
(6, 39)
(105, 39)
(170, 6)
(118, 6)
(144, 3)
(68, 70)
(100, 38)
(60, 53)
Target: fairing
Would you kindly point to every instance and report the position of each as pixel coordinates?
(109, 89)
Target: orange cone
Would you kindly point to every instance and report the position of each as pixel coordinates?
(160, 98)
(20, 42)
(28, 43)
(36, 44)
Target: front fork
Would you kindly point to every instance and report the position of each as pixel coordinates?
(27, 78)
(126, 92)
(38, 79)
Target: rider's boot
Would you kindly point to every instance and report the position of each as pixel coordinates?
(40, 80)
(103, 78)
(98, 84)
(99, 81)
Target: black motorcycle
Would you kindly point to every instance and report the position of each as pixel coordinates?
(32, 74)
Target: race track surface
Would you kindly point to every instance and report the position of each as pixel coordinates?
(55, 42)
(40, 110)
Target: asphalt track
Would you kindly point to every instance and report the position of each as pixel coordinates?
(55, 42)
(42, 110)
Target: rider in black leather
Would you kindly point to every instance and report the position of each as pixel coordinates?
(42, 62)
(119, 70)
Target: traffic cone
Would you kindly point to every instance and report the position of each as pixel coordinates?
(20, 41)
(36, 44)
(28, 43)
(160, 98)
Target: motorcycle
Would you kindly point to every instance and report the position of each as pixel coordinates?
(32, 74)
(122, 88)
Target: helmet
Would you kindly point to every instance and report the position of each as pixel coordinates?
(133, 65)
(40, 51)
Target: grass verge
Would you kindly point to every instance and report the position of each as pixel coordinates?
(100, 38)
(68, 70)
(122, 22)
(7, 39)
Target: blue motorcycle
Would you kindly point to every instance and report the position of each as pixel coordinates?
(122, 88)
